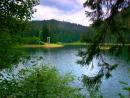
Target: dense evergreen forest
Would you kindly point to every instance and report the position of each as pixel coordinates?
(62, 32)
(59, 31)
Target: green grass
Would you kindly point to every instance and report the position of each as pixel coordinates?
(51, 45)
(74, 44)
(43, 46)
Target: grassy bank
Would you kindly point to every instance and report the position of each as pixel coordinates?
(105, 46)
(53, 45)
(74, 44)
(43, 46)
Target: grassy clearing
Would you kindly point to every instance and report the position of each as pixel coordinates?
(54, 45)
(105, 46)
(74, 44)
(43, 46)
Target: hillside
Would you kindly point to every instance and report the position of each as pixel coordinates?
(59, 31)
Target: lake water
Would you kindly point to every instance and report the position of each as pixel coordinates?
(64, 59)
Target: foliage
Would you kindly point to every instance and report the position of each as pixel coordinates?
(126, 88)
(110, 25)
(42, 82)
(105, 10)
(31, 40)
(124, 54)
(14, 12)
(44, 33)
(59, 31)
(93, 83)
(8, 54)
(13, 17)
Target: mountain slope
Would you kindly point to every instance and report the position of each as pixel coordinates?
(59, 31)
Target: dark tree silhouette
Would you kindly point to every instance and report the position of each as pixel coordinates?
(106, 10)
(110, 23)
(13, 16)
(44, 33)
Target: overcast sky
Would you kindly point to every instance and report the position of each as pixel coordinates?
(63, 10)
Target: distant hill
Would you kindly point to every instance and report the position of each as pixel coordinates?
(60, 31)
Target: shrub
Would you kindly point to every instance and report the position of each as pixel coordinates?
(42, 82)
(31, 40)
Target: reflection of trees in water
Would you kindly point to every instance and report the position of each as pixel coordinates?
(93, 84)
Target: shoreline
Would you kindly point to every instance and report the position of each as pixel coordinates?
(43, 46)
(53, 45)
(105, 46)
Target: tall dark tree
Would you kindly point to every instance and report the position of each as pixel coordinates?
(110, 23)
(13, 16)
(44, 33)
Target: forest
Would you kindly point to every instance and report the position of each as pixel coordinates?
(36, 32)
(59, 31)
(99, 68)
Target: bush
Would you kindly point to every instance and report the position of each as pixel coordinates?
(42, 82)
(32, 40)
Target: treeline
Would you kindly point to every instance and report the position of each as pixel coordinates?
(37, 32)
(58, 31)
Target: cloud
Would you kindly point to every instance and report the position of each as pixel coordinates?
(47, 12)
(64, 5)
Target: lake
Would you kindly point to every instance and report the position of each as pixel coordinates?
(64, 59)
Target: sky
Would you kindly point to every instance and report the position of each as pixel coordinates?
(62, 10)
